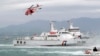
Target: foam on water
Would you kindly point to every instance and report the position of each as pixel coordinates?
(6, 44)
(57, 52)
(32, 50)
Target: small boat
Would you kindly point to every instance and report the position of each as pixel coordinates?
(91, 52)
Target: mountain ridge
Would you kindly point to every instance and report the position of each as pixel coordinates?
(38, 26)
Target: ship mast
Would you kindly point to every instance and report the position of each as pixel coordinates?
(52, 27)
(70, 24)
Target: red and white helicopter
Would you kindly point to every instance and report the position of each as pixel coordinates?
(32, 9)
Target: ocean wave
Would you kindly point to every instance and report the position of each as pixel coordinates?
(6, 44)
(55, 47)
(13, 50)
(10, 50)
(57, 52)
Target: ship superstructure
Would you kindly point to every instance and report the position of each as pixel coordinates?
(75, 31)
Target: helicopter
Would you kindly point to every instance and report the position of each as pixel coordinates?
(32, 9)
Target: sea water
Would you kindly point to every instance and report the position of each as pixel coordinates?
(10, 50)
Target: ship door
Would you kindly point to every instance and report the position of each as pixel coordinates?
(64, 43)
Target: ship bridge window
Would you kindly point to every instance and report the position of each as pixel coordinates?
(74, 30)
(65, 32)
(52, 35)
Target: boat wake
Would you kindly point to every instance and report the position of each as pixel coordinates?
(6, 45)
(44, 50)
(58, 52)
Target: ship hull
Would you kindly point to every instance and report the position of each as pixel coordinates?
(46, 42)
(39, 42)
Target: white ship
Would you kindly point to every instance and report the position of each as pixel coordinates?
(62, 37)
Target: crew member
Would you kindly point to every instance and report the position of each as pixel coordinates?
(95, 49)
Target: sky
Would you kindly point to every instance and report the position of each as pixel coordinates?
(12, 12)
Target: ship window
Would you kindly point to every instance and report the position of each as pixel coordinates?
(65, 32)
(24, 42)
(17, 42)
(52, 35)
(73, 30)
(59, 32)
(20, 42)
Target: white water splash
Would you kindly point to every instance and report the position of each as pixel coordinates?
(6, 44)
(57, 52)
